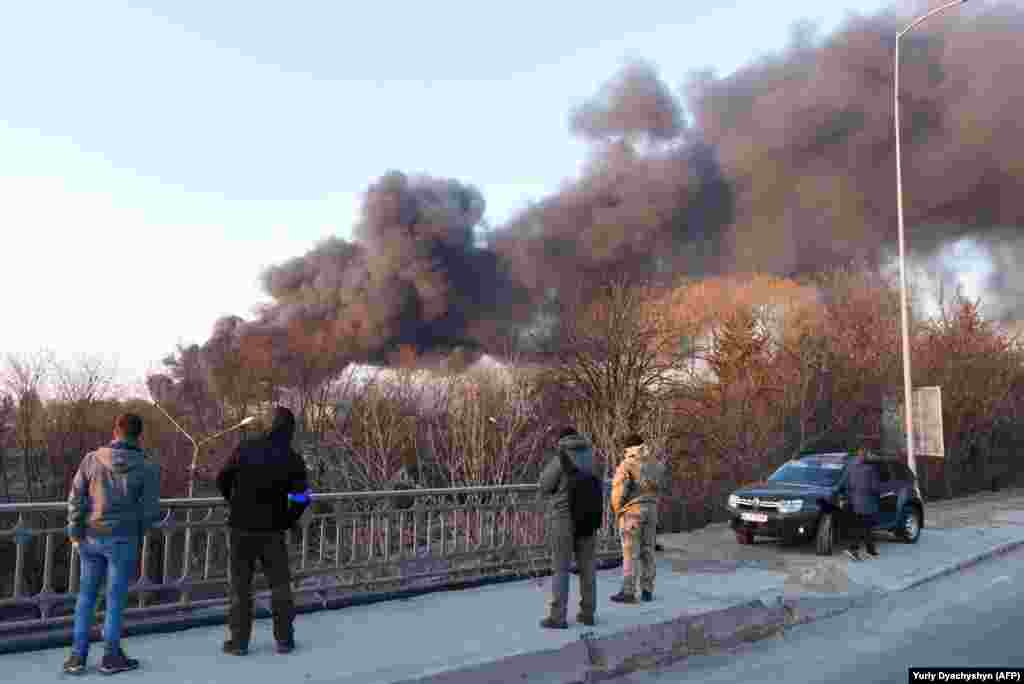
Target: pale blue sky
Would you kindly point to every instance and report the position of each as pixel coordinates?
(157, 159)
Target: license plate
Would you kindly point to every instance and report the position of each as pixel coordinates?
(755, 517)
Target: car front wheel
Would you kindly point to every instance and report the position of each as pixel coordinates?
(910, 525)
(825, 539)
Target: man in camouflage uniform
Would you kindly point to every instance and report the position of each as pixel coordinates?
(635, 490)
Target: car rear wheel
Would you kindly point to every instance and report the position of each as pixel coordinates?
(910, 525)
(825, 539)
(744, 537)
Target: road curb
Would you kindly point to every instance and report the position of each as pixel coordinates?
(601, 658)
(953, 568)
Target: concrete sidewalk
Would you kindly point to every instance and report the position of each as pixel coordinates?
(490, 634)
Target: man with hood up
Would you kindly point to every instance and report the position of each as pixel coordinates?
(635, 492)
(114, 499)
(266, 485)
(554, 485)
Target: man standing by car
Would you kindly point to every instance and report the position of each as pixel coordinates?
(635, 492)
(114, 499)
(865, 488)
(266, 484)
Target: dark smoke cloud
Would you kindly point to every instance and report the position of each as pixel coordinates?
(635, 102)
(415, 276)
(788, 168)
(806, 139)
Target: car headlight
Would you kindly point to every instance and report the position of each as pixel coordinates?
(734, 501)
(791, 506)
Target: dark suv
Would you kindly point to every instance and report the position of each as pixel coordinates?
(806, 496)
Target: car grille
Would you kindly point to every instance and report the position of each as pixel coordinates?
(758, 504)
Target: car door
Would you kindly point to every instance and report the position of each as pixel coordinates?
(907, 484)
(889, 503)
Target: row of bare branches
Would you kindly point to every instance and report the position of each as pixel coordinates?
(727, 377)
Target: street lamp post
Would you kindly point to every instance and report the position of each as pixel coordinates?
(904, 323)
(196, 446)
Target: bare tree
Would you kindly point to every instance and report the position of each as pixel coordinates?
(489, 430)
(80, 385)
(8, 415)
(24, 378)
(612, 360)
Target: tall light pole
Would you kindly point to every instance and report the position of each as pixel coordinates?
(186, 556)
(908, 390)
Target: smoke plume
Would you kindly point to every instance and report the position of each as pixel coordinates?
(788, 167)
(635, 102)
(414, 277)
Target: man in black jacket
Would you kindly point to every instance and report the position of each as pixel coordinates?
(266, 485)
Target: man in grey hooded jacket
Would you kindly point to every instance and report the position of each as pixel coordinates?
(114, 499)
(561, 538)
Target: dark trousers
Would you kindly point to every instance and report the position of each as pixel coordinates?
(859, 529)
(272, 552)
(564, 546)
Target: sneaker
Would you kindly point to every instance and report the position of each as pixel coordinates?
(623, 597)
(646, 596)
(585, 619)
(74, 665)
(852, 554)
(117, 661)
(285, 647)
(233, 648)
(552, 623)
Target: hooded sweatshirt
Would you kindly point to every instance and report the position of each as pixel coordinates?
(638, 480)
(116, 492)
(260, 475)
(553, 481)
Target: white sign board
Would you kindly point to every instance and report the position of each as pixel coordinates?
(928, 422)
(928, 438)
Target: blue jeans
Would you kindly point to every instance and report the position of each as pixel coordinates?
(113, 558)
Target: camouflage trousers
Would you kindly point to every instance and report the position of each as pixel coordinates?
(638, 526)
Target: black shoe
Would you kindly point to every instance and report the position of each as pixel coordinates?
(74, 665)
(235, 649)
(873, 553)
(117, 661)
(646, 596)
(852, 554)
(284, 647)
(585, 619)
(552, 623)
(623, 597)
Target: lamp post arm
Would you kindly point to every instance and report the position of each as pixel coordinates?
(226, 431)
(157, 404)
(925, 17)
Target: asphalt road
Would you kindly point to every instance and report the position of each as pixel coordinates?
(971, 619)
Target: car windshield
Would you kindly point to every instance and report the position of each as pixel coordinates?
(809, 472)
